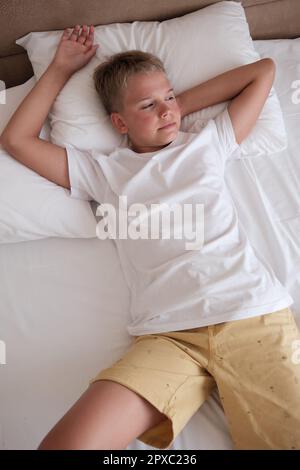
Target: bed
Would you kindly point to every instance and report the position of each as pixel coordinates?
(64, 304)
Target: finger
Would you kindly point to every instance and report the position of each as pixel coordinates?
(74, 35)
(66, 34)
(83, 36)
(92, 51)
(90, 39)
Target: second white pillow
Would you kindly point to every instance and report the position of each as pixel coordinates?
(31, 207)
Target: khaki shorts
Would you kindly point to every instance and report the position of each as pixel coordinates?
(253, 362)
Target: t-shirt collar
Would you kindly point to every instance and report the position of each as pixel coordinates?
(126, 144)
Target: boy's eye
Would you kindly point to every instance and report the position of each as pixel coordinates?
(151, 104)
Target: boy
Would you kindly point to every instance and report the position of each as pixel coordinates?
(213, 316)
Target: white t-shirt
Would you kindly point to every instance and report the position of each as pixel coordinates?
(173, 288)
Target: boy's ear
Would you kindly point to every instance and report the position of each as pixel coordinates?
(119, 123)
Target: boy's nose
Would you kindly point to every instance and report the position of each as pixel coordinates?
(164, 110)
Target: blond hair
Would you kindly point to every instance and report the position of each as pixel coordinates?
(110, 77)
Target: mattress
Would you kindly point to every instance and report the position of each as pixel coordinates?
(64, 304)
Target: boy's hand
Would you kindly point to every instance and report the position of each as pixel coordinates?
(75, 49)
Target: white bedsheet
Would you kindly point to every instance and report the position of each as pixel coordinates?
(64, 304)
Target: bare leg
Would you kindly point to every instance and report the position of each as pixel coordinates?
(107, 416)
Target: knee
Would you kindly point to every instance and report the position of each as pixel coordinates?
(47, 444)
(54, 441)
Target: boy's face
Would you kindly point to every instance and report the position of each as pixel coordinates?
(151, 115)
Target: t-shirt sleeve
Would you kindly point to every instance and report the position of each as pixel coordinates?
(87, 180)
(223, 133)
(229, 145)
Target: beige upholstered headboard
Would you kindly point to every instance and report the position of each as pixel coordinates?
(268, 19)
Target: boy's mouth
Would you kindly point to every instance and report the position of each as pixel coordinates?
(168, 126)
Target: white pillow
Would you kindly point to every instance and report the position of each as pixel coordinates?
(13, 98)
(31, 207)
(193, 48)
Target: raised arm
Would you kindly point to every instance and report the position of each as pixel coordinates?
(247, 86)
(20, 138)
